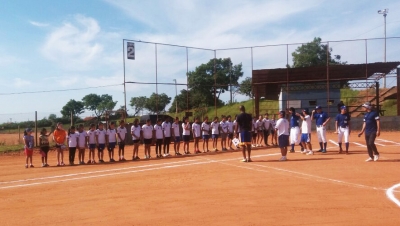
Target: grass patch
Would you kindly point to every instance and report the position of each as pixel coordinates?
(11, 148)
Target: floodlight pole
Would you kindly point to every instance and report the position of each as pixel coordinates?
(384, 12)
(176, 98)
(123, 58)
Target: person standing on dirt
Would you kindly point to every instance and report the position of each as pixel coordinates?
(59, 137)
(282, 130)
(321, 119)
(244, 124)
(372, 129)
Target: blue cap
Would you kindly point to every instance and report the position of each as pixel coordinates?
(28, 130)
(343, 107)
(318, 107)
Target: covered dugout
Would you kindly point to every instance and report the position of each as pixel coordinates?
(316, 85)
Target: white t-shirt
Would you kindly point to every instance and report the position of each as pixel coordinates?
(214, 128)
(254, 126)
(92, 136)
(259, 124)
(234, 125)
(111, 133)
(196, 130)
(72, 140)
(185, 131)
(122, 132)
(306, 125)
(136, 130)
(283, 126)
(167, 129)
(101, 136)
(147, 131)
(159, 131)
(224, 126)
(206, 127)
(82, 139)
(230, 127)
(267, 124)
(175, 127)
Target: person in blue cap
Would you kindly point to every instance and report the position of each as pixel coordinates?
(342, 126)
(321, 119)
(372, 129)
(294, 129)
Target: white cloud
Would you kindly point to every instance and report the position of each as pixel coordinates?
(74, 45)
(38, 24)
(20, 83)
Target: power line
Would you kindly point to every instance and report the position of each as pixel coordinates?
(58, 90)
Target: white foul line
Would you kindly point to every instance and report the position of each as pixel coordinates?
(333, 142)
(388, 141)
(362, 145)
(390, 194)
(162, 166)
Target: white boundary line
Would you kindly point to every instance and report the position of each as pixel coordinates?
(146, 168)
(379, 144)
(388, 141)
(390, 194)
(333, 142)
(362, 145)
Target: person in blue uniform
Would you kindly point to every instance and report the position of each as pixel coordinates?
(321, 119)
(342, 126)
(372, 129)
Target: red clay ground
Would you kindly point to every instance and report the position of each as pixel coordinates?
(208, 189)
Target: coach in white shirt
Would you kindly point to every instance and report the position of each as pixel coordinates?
(282, 129)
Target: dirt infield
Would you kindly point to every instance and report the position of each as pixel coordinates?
(210, 189)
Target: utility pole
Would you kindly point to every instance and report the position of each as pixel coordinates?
(384, 13)
(176, 98)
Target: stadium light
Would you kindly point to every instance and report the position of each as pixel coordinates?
(384, 12)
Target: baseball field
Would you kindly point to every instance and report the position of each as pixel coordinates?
(209, 189)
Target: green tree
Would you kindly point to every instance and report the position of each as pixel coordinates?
(156, 103)
(195, 99)
(98, 104)
(313, 54)
(245, 88)
(202, 79)
(74, 107)
(53, 117)
(138, 104)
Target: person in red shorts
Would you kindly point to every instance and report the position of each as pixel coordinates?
(29, 143)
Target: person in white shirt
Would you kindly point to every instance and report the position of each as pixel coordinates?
(121, 135)
(223, 125)
(254, 132)
(230, 131)
(274, 136)
(166, 125)
(82, 141)
(72, 141)
(196, 127)
(101, 141)
(186, 135)
(147, 134)
(91, 134)
(282, 130)
(205, 128)
(111, 140)
(159, 134)
(306, 131)
(177, 136)
(267, 128)
(260, 131)
(215, 132)
(136, 132)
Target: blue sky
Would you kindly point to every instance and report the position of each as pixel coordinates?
(55, 45)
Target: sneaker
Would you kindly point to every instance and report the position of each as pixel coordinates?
(146, 157)
(46, 165)
(123, 159)
(283, 158)
(376, 158)
(178, 153)
(310, 153)
(58, 164)
(253, 146)
(26, 166)
(62, 164)
(88, 162)
(165, 155)
(320, 150)
(137, 158)
(291, 151)
(323, 151)
(93, 162)
(43, 165)
(369, 160)
(243, 160)
(249, 160)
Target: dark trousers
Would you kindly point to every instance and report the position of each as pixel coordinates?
(266, 134)
(167, 141)
(370, 140)
(72, 154)
(158, 146)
